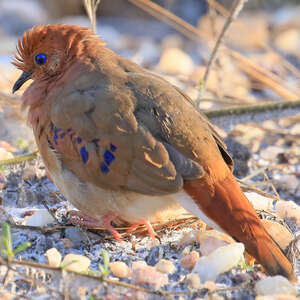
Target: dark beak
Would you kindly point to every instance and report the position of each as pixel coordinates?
(21, 80)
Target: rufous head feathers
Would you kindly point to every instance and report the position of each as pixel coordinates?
(44, 50)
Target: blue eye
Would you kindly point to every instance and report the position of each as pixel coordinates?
(40, 58)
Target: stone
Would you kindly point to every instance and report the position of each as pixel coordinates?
(76, 263)
(40, 217)
(165, 266)
(29, 173)
(277, 297)
(4, 154)
(138, 264)
(193, 281)
(120, 269)
(210, 240)
(273, 285)
(8, 147)
(287, 182)
(260, 202)
(210, 285)
(280, 234)
(53, 257)
(188, 238)
(288, 209)
(77, 236)
(149, 275)
(189, 261)
(288, 41)
(239, 35)
(219, 261)
(175, 61)
(270, 153)
(156, 253)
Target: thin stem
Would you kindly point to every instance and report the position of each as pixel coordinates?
(91, 10)
(236, 8)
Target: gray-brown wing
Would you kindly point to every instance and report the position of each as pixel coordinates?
(98, 137)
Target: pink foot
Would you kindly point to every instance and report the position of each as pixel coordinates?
(148, 226)
(79, 218)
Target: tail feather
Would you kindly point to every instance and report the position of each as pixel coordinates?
(229, 208)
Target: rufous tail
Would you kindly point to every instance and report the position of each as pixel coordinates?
(224, 203)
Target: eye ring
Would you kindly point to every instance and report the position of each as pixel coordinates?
(40, 58)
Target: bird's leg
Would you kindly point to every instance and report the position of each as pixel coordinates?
(79, 218)
(148, 225)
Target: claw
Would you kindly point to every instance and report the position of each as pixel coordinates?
(148, 225)
(79, 218)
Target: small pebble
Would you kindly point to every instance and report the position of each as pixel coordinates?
(270, 153)
(287, 182)
(165, 266)
(174, 60)
(288, 209)
(277, 297)
(210, 285)
(280, 234)
(273, 285)
(138, 264)
(53, 257)
(29, 173)
(188, 238)
(260, 202)
(149, 275)
(5, 154)
(67, 243)
(76, 263)
(156, 253)
(77, 236)
(40, 217)
(120, 269)
(219, 261)
(189, 261)
(193, 281)
(216, 297)
(210, 240)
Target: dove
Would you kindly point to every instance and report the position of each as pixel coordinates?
(121, 142)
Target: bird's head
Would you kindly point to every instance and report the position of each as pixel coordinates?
(44, 51)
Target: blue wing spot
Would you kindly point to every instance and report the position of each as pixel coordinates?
(79, 140)
(69, 129)
(62, 135)
(108, 157)
(84, 155)
(113, 147)
(56, 130)
(55, 137)
(104, 168)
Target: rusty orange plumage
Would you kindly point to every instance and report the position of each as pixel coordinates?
(121, 142)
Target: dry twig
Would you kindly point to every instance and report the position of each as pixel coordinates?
(91, 9)
(251, 68)
(236, 8)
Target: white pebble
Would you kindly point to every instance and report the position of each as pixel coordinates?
(189, 261)
(174, 60)
(149, 275)
(288, 209)
(76, 263)
(219, 261)
(273, 285)
(40, 218)
(120, 269)
(53, 257)
(165, 266)
(279, 233)
(193, 281)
